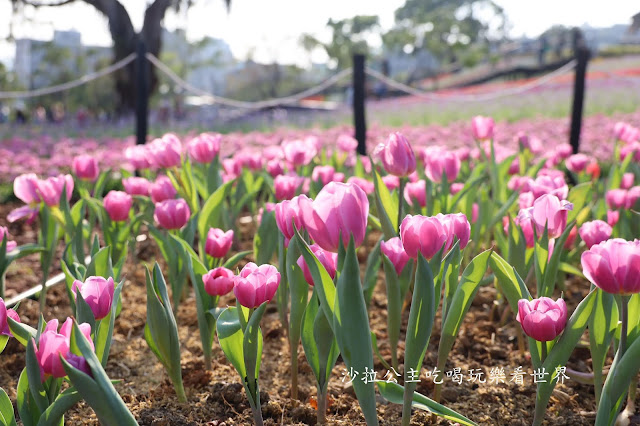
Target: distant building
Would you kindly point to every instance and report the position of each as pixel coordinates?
(30, 55)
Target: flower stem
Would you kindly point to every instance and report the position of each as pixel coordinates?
(624, 317)
(403, 181)
(409, 389)
(322, 406)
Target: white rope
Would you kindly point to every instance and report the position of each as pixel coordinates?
(480, 97)
(71, 84)
(242, 104)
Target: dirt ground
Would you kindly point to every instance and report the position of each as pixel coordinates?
(216, 397)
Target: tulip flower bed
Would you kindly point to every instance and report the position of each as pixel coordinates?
(476, 282)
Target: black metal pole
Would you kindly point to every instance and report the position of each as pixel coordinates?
(359, 120)
(582, 57)
(142, 96)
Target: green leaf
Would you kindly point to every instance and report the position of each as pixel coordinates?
(602, 327)
(265, 242)
(233, 260)
(551, 268)
(27, 408)
(509, 281)
(252, 351)
(104, 332)
(578, 196)
(38, 392)
(299, 292)
(386, 206)
(6, 410)
(54, 415)
(209, 216)
(231, 338)
(371, 272)
(393, 392)
(395, 298)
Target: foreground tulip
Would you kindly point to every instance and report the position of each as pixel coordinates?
(118, 204)
(613, 266)
(339, 211)
(288, 214)
(53, 345)
(595, 232)
(218, 281)
(256, 284)
(97, 292)
(165, 152)
(422, 234)
(4, 314)
(204, 148)
(162, 189)
(85, 167)
(50, 189)
(482, 127)
(172, 214)
(396, 155)
(548, 211)
(542, 319)
(4, 233)
(329, 261)
(218, 242)
(136, 186)
(394, 250)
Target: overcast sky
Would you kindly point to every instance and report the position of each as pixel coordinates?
(270, 28)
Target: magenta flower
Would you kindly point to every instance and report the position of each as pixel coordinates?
(421, 234)
(577, 162)
(4, 233)
(339, 211)
(118, 204)
(391, 182)
(172, 214)
(138, 156)
(616, 198)
(367, 186)
(542, 319)
(218, 242)
(299, 152)
(85, 167)
(394, 250)
(323, 174)
(595, 232)
(347, 143)
(396, 155)
(256, 284)
(328, 259)
(457, 226)
(97, 292)
(52, 345)
(50, 189)
(445, 162)
(286, 186)
(162, 189)
(166, 151)
(627, 180)
(548, 211)
(482, 127)
(614, 266)
(416, 192)
(4, 314)
(218, 281)
(204, 147)
(288, 214)
(136, 186)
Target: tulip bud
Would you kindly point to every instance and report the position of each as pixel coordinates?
(542, 319)
(416, 192)
(614, 266)
(327, 259)
(256, 284)
(445, 162)
(218, 242)
(4, 233)
(138, 156)
(218, 281)
(627, 180)
(172, 214)
(367, 186)
(422, 234)
(165, 152)
(97, 292)
(394, 250)
(52, 345)
(4, 314)
(595, 232)
(396, 155)
(117, 204)
(286, 186)
(548, 211)
(204, 148)
(299, 152)
(577, 163)
(50, 189)
(162, 189)
(287, 214)
(85, 167)
(136, 186)
(482, 127)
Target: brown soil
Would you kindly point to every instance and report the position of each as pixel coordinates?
(217, 398)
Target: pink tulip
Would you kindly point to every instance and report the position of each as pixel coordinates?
(577, 162)
(25, 187)
(546, 184)
(136, 186)
(548, 211)
(542, 319)
(526, 224)
(328, 259)
(422, 234)
(367, 186)
(457, 226)
(172, 214)
(416, 191)
(616, 198)
(286, 186)
(475, 210)
(564, 151)
(595, 232)
(456, 187)
(250, 160)
(85, 167)
(633, 194)
(394, 250)
(323, 174)
(165, 152)
(204, 147)
(613, 216)
(627, 180)
(118, 204)
(138, 156)
(287, 214)
(232, 167)
(218, 242)
(391, 182)
(614, 266)
(50, 189)
(339, 210)
(446, 162)
(299, 152)
(396, 155)
(162, 189)
(4, 233)
(52, 345)
(98, 293)
(218, 281)
(268, 207)
(4, 314)
(347, 143)
(274, 167)
(256, 284)
(482, 127)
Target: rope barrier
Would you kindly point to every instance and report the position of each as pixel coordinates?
(466, 98)
(243, 104)
(69, 85)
